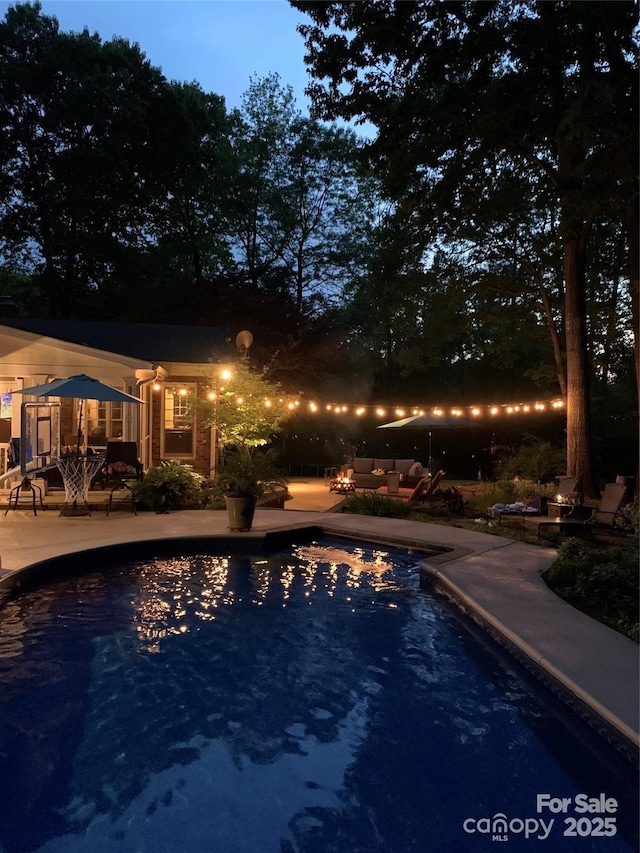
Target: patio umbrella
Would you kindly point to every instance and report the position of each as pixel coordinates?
(431, 421)
(80, 387)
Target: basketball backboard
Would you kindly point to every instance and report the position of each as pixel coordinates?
(39, 436)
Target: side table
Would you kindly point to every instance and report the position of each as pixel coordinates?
(558, 510)
(393, 482)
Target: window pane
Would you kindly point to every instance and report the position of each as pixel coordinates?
(102, 421)
(178, 433)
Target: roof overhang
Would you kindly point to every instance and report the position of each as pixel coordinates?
(27, 354)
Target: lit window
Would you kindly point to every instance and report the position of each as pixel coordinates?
(178, 433)
(102, 422)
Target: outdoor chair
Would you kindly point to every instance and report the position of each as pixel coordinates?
(421, 491)
(72, 443)
(428, 490)
(606, 514)
(583, 519)
(426, 487)
(120, 463)
(568, 488)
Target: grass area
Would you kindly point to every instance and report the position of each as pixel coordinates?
(598, 576)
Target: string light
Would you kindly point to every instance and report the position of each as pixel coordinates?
(475, 411)
(382, 412)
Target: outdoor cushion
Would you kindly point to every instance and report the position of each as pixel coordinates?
(403, 466)
(517, 508)
(362, 465)
(383, 464)
(416, 470)
(121, 468)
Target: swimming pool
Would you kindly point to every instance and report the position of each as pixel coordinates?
(312, 700)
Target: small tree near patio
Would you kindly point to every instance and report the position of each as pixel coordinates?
(245, 411)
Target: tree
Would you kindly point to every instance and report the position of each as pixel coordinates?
(297, 196)
(244, 407)
(114, 181)
(187, 249)
(245, 410)
(446, 83)
(73, 116)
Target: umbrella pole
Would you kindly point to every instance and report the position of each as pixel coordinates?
(79, 429)
(429, 451)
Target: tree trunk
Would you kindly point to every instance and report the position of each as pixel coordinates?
(556, 343)
(630, 220)
(579, 456)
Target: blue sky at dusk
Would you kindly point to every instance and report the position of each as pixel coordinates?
(220, 44)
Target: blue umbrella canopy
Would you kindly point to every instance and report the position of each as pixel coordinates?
(80, 387)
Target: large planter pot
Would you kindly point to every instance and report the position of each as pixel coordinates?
(240, 512)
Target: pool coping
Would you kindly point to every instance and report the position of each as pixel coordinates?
(609, 725)
(494, 579)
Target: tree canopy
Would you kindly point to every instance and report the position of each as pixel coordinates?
(483, 244)
(464, 94)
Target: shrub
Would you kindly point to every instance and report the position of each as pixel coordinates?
(168, 486)
(371, 503)
(534, 460)
(509, 491)
(601, 581)
(630, 517)
(428, 510)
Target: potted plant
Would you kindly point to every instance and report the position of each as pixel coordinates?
(246, 476)
(244, 410)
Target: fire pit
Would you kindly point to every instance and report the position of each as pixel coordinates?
(342, 484)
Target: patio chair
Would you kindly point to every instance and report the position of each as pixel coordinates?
(582, 519)
(451, 496)
(120, 463)
(71, 444)
(568, 488)
(421, 491)
(606, 514)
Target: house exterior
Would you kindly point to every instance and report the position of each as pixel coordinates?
(161, 364)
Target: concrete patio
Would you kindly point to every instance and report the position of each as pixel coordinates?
(495, 579)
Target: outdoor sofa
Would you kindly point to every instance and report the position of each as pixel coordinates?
(361, 469)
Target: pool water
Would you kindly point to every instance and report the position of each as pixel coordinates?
(309, 701)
